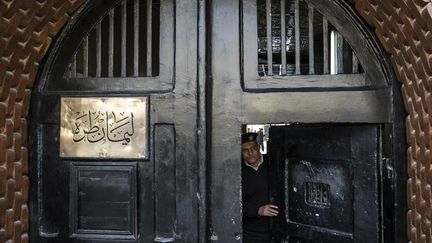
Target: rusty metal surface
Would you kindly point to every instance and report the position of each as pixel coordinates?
(104, 127)
(405, 31)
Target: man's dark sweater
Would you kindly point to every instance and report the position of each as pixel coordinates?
(255, 193)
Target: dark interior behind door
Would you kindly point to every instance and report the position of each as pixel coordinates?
(327, 182)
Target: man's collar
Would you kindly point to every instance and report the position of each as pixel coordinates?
(257, 167)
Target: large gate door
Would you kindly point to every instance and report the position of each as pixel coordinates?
(271, 64)
(115, 64)
(327, 177)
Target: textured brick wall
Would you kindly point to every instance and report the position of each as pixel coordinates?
(26, 31)
(27, 27)
(404, 28)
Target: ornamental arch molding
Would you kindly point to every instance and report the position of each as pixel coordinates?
(405, 31)
(28, 28)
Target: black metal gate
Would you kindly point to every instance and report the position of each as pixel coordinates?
(208, 72)
(271, 66)
(119, 50)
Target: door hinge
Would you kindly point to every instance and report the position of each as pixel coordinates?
(388, 172)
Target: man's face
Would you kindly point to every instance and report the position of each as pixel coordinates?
(251, 153)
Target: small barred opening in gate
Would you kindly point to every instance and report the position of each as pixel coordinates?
(308, 182)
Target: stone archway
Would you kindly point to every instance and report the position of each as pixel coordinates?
(28, 27)
(404, 30)
(27, 30)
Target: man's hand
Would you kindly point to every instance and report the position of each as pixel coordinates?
(268, 210)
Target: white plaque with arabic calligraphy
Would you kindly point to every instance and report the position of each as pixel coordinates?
(104, 127)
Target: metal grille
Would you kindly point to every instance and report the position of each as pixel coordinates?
(317, 193)
(295, 39)
(124, 43)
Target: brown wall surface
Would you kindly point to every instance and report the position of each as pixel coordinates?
(404, 28)
(27, 28)
(26, 31)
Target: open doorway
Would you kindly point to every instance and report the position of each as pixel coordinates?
(324, 179)
(262, 131)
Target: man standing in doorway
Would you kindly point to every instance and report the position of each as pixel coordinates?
(260, 139)
(256, 205)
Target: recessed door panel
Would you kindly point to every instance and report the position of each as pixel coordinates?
(326, 182)
(103, 200)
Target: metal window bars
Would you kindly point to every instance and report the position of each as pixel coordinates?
(294, 39)
(124, 43)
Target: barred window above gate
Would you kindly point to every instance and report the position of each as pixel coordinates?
(124, 43)
(294, 39)
(121, 45)
(292, 44)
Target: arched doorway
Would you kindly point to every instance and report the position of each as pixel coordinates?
(237, 99)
